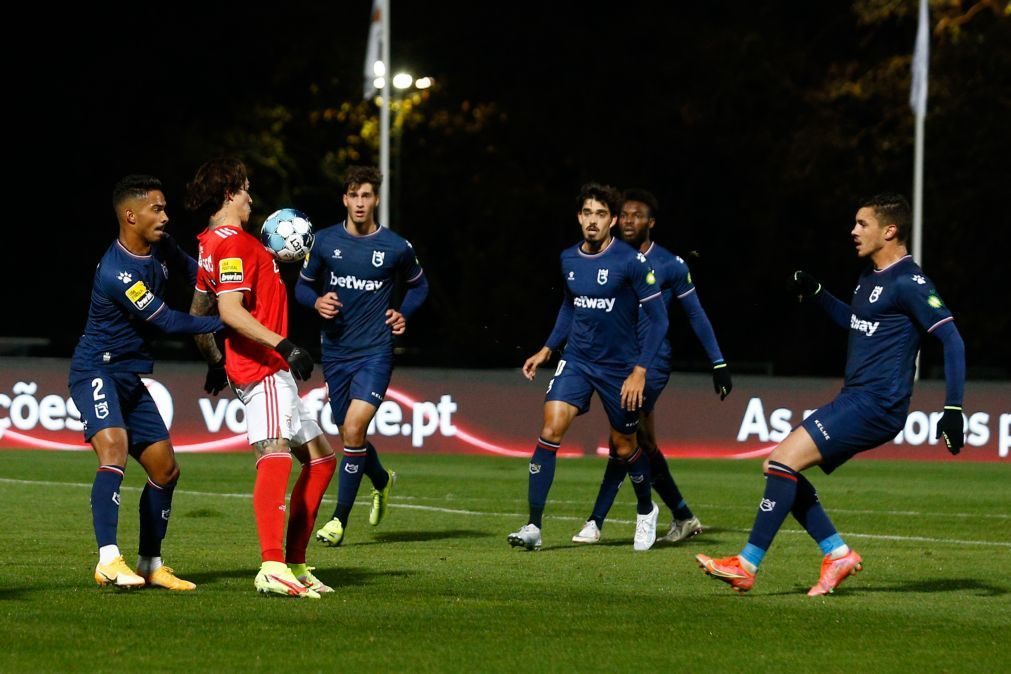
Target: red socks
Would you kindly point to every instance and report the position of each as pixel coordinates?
(272, 472)
(305, 499)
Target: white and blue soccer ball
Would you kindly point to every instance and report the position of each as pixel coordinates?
(287, 234)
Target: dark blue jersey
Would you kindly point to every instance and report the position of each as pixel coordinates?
(361, 270)
(674, 280)
(605, 290)
(891, 309)
(125, 299)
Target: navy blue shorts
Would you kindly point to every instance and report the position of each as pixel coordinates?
(117, 400)
(575, 381)
(365, 378)
(852, 423)
(656, 382)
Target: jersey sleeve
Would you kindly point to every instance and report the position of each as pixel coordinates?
(921, 301)
(643, 278)
(233, 266)
(179, 258)
(313, 265)
(126, 288)
(408, 265)
(680, 278)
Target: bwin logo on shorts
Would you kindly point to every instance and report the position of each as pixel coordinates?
(767, 506)
(350, 468)
(535, 468)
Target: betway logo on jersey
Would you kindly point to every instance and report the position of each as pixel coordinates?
(865, 327)
(355, 283)
(584, 302)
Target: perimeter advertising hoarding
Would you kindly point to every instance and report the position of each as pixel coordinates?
(498, 412)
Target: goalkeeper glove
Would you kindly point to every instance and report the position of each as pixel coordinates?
(721, 380)
(804, 285)
(216, 379)
(950, 429)
(299, 360)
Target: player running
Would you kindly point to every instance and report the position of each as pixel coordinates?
(348, 280)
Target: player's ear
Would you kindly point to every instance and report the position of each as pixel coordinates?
(891, 231)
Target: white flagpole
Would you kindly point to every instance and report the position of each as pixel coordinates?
(384, 120)
(918, 101)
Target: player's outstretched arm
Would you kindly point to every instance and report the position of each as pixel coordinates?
(535, 361)
(235, 316)
(807, 287)
(951, 427)
(417, 293)
(174, 322)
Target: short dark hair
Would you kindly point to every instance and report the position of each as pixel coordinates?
(359, 175)
(641, 195)
(605, 194)
(214, 181)
(133, 186)
(892, 209)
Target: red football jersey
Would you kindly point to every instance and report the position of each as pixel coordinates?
(233, 260)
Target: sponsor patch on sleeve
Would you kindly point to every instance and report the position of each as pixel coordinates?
(934, 301)
(651, 278)
(230, 270)
(139, 295)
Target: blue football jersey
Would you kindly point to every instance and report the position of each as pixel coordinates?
(362, 271)
(891, 309)
(125, 296)
(605, 290)
(674, 280)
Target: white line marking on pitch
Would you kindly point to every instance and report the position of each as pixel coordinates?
(478, 513)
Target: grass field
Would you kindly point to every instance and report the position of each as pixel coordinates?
(437, 588)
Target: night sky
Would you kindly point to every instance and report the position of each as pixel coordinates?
(758, 126)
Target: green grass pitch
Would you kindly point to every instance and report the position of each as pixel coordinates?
(437, 588)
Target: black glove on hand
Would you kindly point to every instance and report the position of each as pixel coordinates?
(949, 429)
(299, 360)
(721, 380)
(216, 379)
(804, 285)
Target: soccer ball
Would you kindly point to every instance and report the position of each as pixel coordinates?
(287, 234)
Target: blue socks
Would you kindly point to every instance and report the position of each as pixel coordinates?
(777, 502)
(105, 503)
(542, 474)
(614, 475)
(812, 516)
(374, 467)
(666, 488)
(155, 508)
(638, 473)
(349, 478)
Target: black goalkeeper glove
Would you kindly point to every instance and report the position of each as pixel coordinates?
(299, 360)
(804, 285)
(216, 379)
(721, 380)
(949, 429)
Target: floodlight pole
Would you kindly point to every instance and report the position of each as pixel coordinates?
(384, 120)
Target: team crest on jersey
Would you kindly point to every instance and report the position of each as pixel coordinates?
(602, 276)
(139, 295)
(378, 256)
(571, 276)
(230, 270)
(875, 294)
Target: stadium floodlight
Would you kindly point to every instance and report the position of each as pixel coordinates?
(379, 83)
(403, 80)
(379, 69)
(424, 82)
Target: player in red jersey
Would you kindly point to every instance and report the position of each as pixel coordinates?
(238, 275)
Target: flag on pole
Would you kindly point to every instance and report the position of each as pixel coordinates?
(921, 63)
(372, 51)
